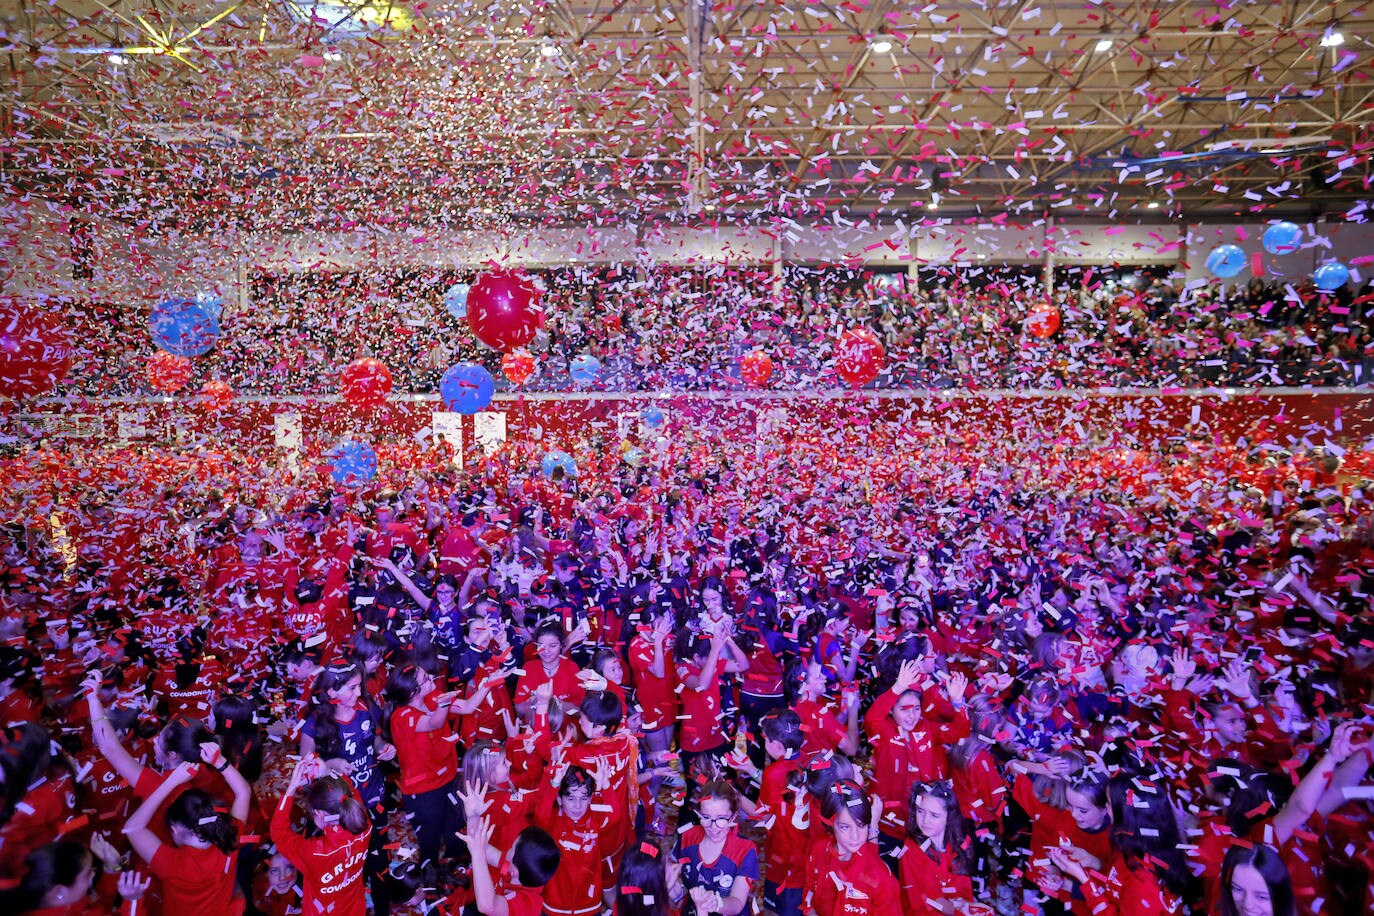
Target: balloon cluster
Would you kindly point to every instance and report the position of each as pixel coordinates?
(1280, 238)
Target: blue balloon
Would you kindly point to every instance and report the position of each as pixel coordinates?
(354, 462)
(554, 460)
(653, 417)
(456, 300)
(585, 369)
(1226, 260)
(1282, 237)
(467, 388)
(1331, 276)
(186, 327)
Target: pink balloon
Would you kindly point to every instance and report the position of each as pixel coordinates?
(859, 356)
(365, 383)
(35, 353)
(1043, 321)
(756, 368)
(503, 309)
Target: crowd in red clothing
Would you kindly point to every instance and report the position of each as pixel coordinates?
(836, 678)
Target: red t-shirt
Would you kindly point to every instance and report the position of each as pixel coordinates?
(565, 685)
(196, 881)
(701, 710)
(861, 886)
(657, 696)
(331, 865)
(428, 760)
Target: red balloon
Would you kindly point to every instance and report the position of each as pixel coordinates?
(1043, 321)
(365, 383)
(503, 309)
(216, 395)
(756, 368)
(518, 365)
(859, 356)
(168, 373)
(35, 353)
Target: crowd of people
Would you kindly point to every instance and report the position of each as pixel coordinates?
(685, 328)
(815, 677)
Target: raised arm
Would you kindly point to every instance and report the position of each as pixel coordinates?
(1302, 804)
(141, 838)
(214, 758)
(104, 737)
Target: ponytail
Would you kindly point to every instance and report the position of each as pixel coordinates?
(329, 796)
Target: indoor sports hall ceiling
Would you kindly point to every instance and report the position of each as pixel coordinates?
(297, 113)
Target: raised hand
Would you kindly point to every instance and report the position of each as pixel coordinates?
(474, 800)
(211, 754)
(478, 836)
(132, 885)
(907, 676)
(956, 685)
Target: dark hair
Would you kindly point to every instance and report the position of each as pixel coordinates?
(577, 778)
(404, 879)
(603, 707)
(549, 628)
(55, 865)
(847, 795)
(1145, 830)
(720, 789)
(194, 810)
(236, 728)
(823, 770)
(328, 744)
(535, 857)
(785, 727)
(641, 887)
(402, 684)
(956, 836)
(184, 736)
(688, 645)
(1271, 868)
(333, 797)
(24, 757)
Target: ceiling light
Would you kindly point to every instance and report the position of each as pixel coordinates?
(332, 54)
(117, 60)
(933, 205)
(1104, 45)
(880, 45)
(548, 48)
(1152, 205)
(709, 208)
(1333, 38)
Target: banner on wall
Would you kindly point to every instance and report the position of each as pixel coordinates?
(489, 430)
(287, 427)
(133, 424)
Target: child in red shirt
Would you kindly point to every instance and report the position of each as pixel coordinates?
(516, 889)
(585, 842)
(845, 875)
(331, 865)
(197, 869)
(427, 751)
(937, 858)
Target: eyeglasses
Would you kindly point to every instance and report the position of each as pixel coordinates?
(725, 820)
